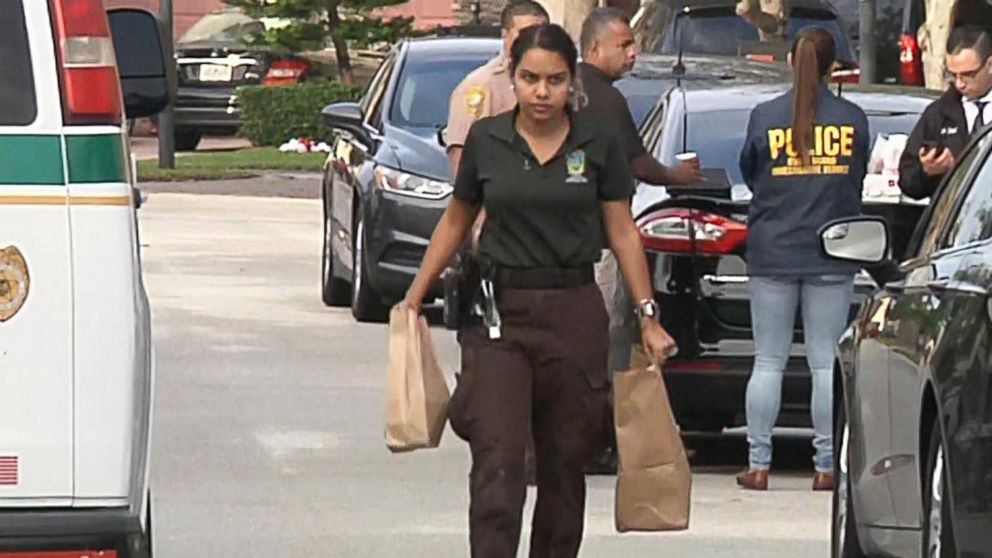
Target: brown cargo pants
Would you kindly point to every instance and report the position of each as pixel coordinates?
(547, 374)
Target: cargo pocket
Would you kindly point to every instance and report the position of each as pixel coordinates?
(459, 407)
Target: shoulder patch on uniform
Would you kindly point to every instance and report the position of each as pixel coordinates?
(474, 99)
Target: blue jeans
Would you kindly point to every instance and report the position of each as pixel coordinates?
(826, 301)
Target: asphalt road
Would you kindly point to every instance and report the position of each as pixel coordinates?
(269, 409)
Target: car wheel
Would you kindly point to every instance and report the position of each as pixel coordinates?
(334, 290)
(187, 140)
(844, 533)
(366, 305)
(938, 529)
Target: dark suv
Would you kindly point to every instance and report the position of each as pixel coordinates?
(386, 183)
(213, 59)
(696, 239)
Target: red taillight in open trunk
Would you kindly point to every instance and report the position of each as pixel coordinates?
(910, 63)
(683, 230)
(286, 72)
(91, 90)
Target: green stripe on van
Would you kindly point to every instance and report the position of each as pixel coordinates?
(31, 160)
(94, 159)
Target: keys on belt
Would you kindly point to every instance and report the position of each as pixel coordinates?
(490, 313)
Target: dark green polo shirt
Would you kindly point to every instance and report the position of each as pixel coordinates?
(542, 216)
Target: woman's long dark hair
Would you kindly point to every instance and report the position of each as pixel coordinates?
(548, 36)
(813, 55)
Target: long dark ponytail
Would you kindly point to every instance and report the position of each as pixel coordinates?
(813, 54)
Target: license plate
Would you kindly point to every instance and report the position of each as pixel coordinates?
(215, 72)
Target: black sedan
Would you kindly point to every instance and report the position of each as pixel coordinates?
(386, 182)
(696, 238)
(213, 59)
(914, 432)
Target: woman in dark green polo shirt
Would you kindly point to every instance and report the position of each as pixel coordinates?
(556, 187)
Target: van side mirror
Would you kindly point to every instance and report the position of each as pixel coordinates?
(141, 61)
(862, 239)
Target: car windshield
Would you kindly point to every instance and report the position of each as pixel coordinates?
(227, 27)
(730, 34)
(424, 90)
(718, 136)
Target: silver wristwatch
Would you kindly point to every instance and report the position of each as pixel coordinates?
(648, 308)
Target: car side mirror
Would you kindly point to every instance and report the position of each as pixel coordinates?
(442, 136)
(347, 116)
(146, 82)
(862, 239)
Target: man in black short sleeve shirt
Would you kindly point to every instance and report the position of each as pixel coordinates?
(542, 215)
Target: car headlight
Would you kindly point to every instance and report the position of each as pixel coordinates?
(411, 185)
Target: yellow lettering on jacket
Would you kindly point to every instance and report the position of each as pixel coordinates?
(829, 153)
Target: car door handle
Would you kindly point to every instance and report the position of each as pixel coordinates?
(939, 285)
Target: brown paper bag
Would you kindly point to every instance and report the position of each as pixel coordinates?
(418, 394)
(654, 482)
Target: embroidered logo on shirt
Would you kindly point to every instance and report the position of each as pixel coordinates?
(474, 100)
(950, 131)
(576, 165)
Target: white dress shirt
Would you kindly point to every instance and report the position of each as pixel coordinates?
(971, 110)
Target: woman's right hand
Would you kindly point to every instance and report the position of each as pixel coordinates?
(412, 303)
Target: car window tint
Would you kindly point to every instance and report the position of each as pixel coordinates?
(377, 95)
(727, 35)
(974, 220)
(945, 209)
(18, 106)
(375, 85)
(423, 92)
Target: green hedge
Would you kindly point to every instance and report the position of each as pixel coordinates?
(274, 115)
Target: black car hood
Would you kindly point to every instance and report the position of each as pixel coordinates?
(417, 153)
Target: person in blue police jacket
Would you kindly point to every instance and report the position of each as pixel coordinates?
(804, 159)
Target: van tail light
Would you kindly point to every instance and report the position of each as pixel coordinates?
(91, 88)
(286, 72)
(910, 62)
(688, 231)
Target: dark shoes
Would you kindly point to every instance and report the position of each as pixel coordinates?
(750, 479)
(823, 482)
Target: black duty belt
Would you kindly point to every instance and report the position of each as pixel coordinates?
(545, 277)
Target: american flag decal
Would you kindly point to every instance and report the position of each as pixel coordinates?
(9, 470)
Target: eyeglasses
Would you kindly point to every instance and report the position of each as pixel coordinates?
(965, 76)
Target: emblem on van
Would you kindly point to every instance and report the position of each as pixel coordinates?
(14, 282)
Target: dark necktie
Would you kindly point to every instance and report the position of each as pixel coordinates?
(980, 120)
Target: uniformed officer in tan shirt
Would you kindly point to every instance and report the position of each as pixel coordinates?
(488, 90)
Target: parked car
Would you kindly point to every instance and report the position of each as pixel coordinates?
(213, 59)
(914, 462)
(713, 28)
(386, 183)
(696, 238)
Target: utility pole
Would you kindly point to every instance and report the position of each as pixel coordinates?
(166, 119)
(867, 41)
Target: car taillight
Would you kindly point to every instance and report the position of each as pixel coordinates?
(681, 230)
(91, 89)
(285, 72)
(910, 64)
(847, 75)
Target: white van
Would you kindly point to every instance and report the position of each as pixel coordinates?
(75, 343)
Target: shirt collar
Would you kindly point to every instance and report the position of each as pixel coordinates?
(501, 64)
(583, 131)
(986, 99)
(594, 72)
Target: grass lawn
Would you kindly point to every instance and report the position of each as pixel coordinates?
(225, 165)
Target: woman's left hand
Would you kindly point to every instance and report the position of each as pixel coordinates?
(658, 344)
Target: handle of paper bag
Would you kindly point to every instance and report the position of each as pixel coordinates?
(639, 358)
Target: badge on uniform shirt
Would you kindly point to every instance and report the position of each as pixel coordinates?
(14, 282)
(474, 100)
(575, 162)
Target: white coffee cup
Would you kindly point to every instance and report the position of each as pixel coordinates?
(687, 157)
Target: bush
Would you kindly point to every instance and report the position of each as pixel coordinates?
(274, 115)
